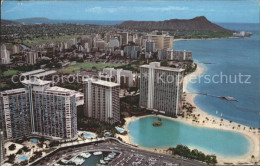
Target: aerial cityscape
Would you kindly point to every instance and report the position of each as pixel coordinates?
(169, 83)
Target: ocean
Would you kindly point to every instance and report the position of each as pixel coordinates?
(230, 57)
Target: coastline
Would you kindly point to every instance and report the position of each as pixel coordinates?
(252, 135)
(214, 38)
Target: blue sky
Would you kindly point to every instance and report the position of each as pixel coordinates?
(216, 11)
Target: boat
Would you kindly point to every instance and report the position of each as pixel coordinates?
(111, 155)
(88, 155)
(97, 153)
(77, 161)
(107, 158)
(85, 155)
(102, 162)
(64, 161)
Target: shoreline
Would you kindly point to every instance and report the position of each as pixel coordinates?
(214, 38)
(213, 123)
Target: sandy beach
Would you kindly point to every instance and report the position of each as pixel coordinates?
(210, 122)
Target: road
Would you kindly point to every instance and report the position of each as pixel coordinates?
(128, 155)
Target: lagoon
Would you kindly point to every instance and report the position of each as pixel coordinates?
(171, 133)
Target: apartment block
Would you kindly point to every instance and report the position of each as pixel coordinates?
(124, 36)
(102, 100)
(5, 55)
(150, 46)
(174, 55)
(2, 149)
(120, 76)
(39, 109)
(31, 57)
(161, 41)
(161, 88)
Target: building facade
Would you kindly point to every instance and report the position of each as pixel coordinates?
(173, 55)
(161, 88)
(124, 36)
(5, 55)
(181, 56)
(31, 57)
(39, 109)
(120, 76)
(132, 51)
(150, 46)
(161, 41)
(102, 100)
(2, 149)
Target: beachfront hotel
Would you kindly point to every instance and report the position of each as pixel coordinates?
(101, 100)
(161, 88)
(39, 109)
(162, 41)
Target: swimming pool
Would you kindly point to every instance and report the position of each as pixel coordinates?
(89, 135)
(22, 158)
(34, 140)
(120, 130)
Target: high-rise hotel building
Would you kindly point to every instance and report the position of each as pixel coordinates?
(2, 149)
(38, 109)
(102, 100)
(161, 88)
(162, 41)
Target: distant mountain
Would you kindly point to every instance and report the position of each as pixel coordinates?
(34, 19)
(8, 22)
(42, 20)
(200, 23)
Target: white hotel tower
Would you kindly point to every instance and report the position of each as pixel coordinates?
(161, 88)
(39, 109)
(102, 100)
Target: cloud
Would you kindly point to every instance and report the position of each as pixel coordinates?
(101, 10)
(162, 9)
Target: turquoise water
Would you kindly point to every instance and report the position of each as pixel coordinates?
(172, 133)
(34, 140)
(93, 160)
(89, 135)
(231, 57)
(22, 158)
(120, 130)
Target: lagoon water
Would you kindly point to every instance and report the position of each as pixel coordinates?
(172, 133)
(231, 57)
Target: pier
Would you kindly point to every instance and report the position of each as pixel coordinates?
(228, 98)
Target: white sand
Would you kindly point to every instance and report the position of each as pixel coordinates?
(252, 135)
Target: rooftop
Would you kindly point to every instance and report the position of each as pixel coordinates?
(156, 65)
(64, 90)
(33, 72)
(45, 73)
(35, 81)
(14, 91)
(101, 82)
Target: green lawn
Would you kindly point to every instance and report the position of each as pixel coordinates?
(9, 73)
(45, 40)
(3, 85)
(87, 65)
